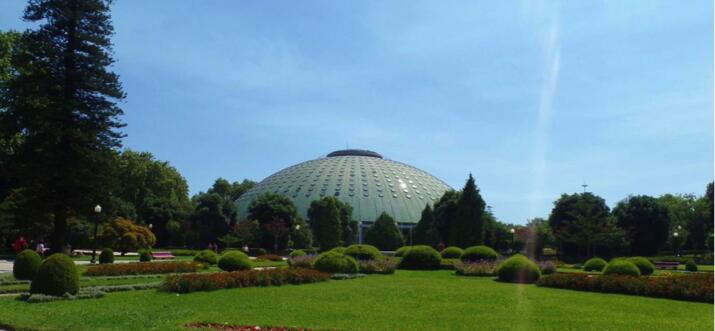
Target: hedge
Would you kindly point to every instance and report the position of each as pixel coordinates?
(452, 252)
(644, 265)
(382, 266)
(121, 269)
(689, 287)
(297, 252)
(594, 264)
(270, 257)
(518, 269)
(621, 267)
(144, 255)
(363, 252)
(206, 256)
(26, 265)
(482, 268)
(421, 257)
(56, 276)
(400, 252)
(106, 256)
(234, 261)
(333, 262)
(479, 253)
(237, 279)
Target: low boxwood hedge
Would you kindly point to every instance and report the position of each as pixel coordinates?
(452, 252)
(106, 256)
(236, 279)
(334, 262)
(140, 268)
(400, 252)
(56, 276)
(206, 256)
(421, 257)
(644, 265)
(144, 255)
(297, 252)
(595, 264)
(518, 269)
(234, 261)
(621, 267)
(26, 265)
(363, 252)
(479, 253)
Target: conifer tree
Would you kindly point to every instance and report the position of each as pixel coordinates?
(384, 233)
(425, 232)
(468, 228)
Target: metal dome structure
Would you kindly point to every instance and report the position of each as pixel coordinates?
(363, 179)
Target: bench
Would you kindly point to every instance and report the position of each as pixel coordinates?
(666, 265)
(162, 255)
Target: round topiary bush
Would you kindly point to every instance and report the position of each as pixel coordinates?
(56, 276)
(691, 266)
(518, 269)
(206, 256)
(400, 252)
(297, 252)
(644, 265)
(26, 264)
(479, 253)
(144, 255)
(233, 261)
(339, 250)
(334, 262)
(421, 257)
(621, 267)
(452, 252)
(364, 252)
(594, 264)
(106, 256)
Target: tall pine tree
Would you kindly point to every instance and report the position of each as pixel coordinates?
(63, 104)
(468, 227)
(324, 216)
(425, 232)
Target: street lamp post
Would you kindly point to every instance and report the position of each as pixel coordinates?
(675, 242)
(512, 231)
(97, 210)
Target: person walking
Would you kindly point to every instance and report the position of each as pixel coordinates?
(40, 248)
(20, 244)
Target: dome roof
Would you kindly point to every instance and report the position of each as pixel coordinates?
(363, 179)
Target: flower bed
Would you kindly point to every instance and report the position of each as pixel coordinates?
(481, 269)
(121, 269)
(385, 266)
(694, 287)
(224, 326)
(237, 279)
(301, 261)
(270, 257)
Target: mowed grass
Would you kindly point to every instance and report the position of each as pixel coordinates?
(408, 300)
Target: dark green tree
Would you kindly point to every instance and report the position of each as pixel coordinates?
(324, 216)
(580, 224)
(269, 209)
(425, 232)
(348, 226)
(468, 226)
(384, 234)
(496, 233)
(301, 236)
(445, 212)
(63, 104)
(645, 222)
(212, 218)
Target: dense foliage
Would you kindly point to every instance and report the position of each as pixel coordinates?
(384, 234)
(594, 264)
(324, 217)
(206, 256)
(452, 252)
(468, 226)
(276, 216)
(26, 265)
(621, 267)
(106, 256)
(479, 253)
(234, 261)
(425, 232)
(480, 269)
(646, 223)
(334, 262)
(122, 269)
(124, 236)
(693, 287)
(56, 276)
(385, 266)
(421, 257)
(644, 265)
(518, 269)
(402, 250)
(145, 255)
(363, 252)
(238, 279)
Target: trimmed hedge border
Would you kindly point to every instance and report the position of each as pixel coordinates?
(238, 279)
(691, 287)
(141, 268)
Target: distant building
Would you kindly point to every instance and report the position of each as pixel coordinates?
(363, 179)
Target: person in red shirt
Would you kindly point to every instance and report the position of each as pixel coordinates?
(20, 244)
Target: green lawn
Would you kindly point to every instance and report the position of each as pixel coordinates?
(408, 300)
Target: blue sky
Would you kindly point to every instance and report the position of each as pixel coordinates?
(533, 98)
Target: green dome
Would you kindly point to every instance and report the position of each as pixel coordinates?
(363, 179)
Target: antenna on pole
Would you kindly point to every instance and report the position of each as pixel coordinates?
(584, 185)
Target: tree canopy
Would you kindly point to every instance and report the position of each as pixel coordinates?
(646, 223)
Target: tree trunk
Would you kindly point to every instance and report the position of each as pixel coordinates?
(59, 233)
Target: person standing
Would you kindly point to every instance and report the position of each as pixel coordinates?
(40, 248)
(20, 244)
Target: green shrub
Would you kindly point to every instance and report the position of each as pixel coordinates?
(144, 255)
(479, 253)
(644, 265)
(206, 256)
(106, 256)
(26, 264)
(257, 251)
(56, 276)
(594, 264)
(334, 262)
(363, 252)
(339, 250)
(518, 269)
(621, 267)
(421, 257)
(400, 252)
(691, 266)
(234, 260)
(452, 252)
(297, 252)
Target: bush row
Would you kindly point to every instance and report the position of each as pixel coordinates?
(237, 279)
(141, 268)
(690, 287)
